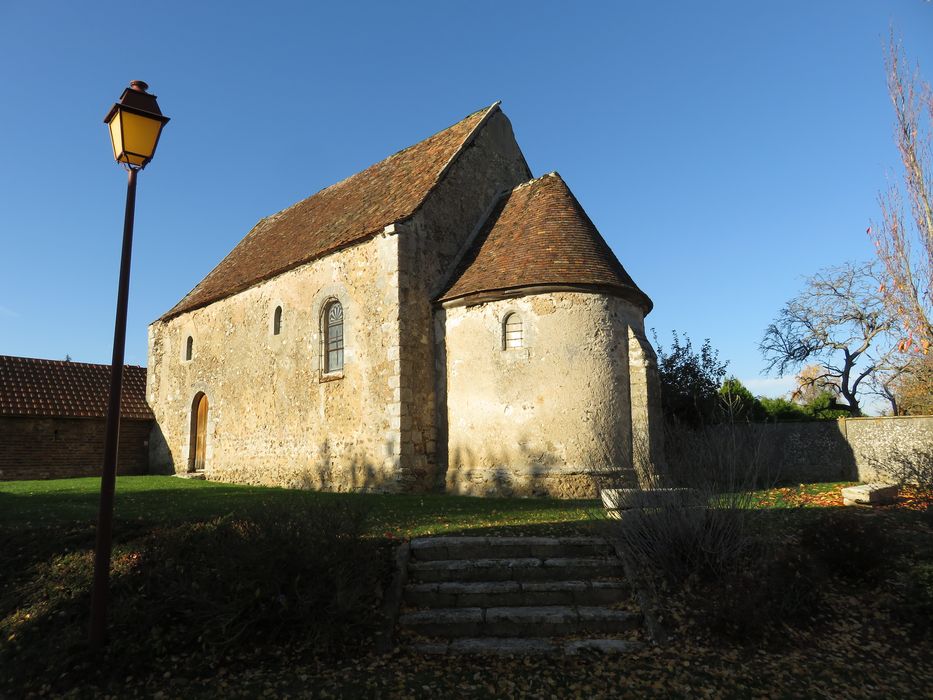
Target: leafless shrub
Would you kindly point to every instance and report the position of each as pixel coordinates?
(721, 466)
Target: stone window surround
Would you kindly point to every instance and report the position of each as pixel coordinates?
(326, 296)
(528, 333)
(275, 319)
(187, 346)
(506, 318)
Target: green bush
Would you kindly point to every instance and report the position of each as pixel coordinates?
(824, 407)
(689, 380)
(205, 591)
(778, 410)
(738, 404)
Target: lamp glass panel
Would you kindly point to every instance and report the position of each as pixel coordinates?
(116, 136)
(140, 135)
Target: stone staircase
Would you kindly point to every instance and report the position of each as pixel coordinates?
(517, 595)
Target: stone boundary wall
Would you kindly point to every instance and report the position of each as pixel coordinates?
(848, 449)
(59, 448)
(880, 445)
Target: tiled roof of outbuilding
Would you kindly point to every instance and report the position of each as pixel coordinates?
(337, 216)
(538, 235)
(55, 388)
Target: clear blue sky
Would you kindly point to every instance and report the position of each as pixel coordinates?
(723, 149)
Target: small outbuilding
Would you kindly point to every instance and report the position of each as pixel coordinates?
(53, 416)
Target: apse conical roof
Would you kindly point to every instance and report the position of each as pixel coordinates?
(539, 236)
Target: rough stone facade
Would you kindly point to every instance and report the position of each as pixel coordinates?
(275, 417)
(438, 233)
(550, 416)
(420, 368)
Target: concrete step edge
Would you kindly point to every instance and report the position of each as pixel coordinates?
(527, 646)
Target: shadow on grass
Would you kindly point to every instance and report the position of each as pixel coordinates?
(165, 500)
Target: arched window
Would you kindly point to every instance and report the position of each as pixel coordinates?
(277, 321)
(189, 348)
(512, 332)
(332, 321)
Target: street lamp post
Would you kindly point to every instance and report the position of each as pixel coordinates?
(135, 125)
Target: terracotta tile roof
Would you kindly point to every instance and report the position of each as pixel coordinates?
(340, 215)
(539, 235)
(55, 388)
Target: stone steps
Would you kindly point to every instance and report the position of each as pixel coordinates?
(497, 594)
(519, 621)
(524, 570)
(506, 646)
(516, 595)
(435, 548)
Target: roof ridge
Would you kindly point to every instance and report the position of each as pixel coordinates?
(535, 180)
(468, 138)
(492, 109)
(340, 215)
(67, 363)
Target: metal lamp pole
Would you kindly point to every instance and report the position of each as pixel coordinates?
(112, 433)
(135, 124)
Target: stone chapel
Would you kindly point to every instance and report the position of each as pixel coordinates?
(438, 321)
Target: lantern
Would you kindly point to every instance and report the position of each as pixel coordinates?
(135, 125)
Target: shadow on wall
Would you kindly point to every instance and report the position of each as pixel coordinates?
(811, 452)
(739, 456)
(905, 466)
(516, 470)
(161, 459)
(357, 474)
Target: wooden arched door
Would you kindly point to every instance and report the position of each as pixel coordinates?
(198, 450)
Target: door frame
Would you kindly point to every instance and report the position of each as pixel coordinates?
(196, 430)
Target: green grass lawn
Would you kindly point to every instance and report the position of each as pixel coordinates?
(165, 499)
(47, 531)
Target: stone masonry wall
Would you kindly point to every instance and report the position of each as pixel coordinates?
(884, 447)
(274, 417)
(848, 449)
(647, 418)
(429, 247)
(58, 448)
(549, 418)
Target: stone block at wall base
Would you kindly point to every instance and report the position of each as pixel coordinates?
(547, 482)
(869, 495)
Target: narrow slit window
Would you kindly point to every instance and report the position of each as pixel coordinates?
(333, 337)
(513, 337)
(189, 348)
(277, 321)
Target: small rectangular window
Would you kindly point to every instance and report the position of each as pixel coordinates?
(513, 332)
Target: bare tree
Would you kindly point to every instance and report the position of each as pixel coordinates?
(888, 376)
(904, 244)
(811, 382)
(834, 323)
